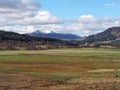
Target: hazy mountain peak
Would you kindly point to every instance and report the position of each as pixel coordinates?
(55, 35)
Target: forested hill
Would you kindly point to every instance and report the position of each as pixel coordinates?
(21, 37)
(11, 40)
(108, 35)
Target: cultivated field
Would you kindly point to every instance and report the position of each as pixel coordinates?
(60, 69)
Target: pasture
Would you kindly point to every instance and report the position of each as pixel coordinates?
(61, 69)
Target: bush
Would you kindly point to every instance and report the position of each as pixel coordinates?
(117, 75)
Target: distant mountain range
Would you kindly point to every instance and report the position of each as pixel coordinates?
(38, 40)
(54, 35)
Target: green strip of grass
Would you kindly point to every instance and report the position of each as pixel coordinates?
(56, 77)
(10, 71)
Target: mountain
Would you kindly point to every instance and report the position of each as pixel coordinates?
(15, 41)
(55, 35)
(109, 37)
(110, 34)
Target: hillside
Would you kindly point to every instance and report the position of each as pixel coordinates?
(108, 35)
(111, 37)
(55, 35)
(11, 40)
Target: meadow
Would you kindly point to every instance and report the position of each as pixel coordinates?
(61, 69)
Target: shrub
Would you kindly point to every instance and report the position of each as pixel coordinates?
(118, 74)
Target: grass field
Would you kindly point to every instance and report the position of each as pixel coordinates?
(70, 66)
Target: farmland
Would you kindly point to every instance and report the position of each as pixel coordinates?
(60, 69)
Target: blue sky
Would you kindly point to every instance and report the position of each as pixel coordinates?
(71, 9)
(81, 17)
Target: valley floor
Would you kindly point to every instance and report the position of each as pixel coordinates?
(60, 69)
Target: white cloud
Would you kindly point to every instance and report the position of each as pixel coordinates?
(29, 18)
(17, 5)
(24, 12)
(86, 19)
(84, 25)
(19, 29)
(42, 17)
(87, 24)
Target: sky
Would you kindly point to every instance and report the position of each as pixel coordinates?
(81, 17)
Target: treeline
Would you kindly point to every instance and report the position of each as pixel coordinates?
(116, 43)
(22, 37)
(14, 41)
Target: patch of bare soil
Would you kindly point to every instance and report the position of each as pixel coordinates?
(22, 82)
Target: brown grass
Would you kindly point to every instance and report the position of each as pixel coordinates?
(58, 71)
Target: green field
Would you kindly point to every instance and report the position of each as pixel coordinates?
(62, 64)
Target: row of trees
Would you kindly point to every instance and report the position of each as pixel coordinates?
(11, 40)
